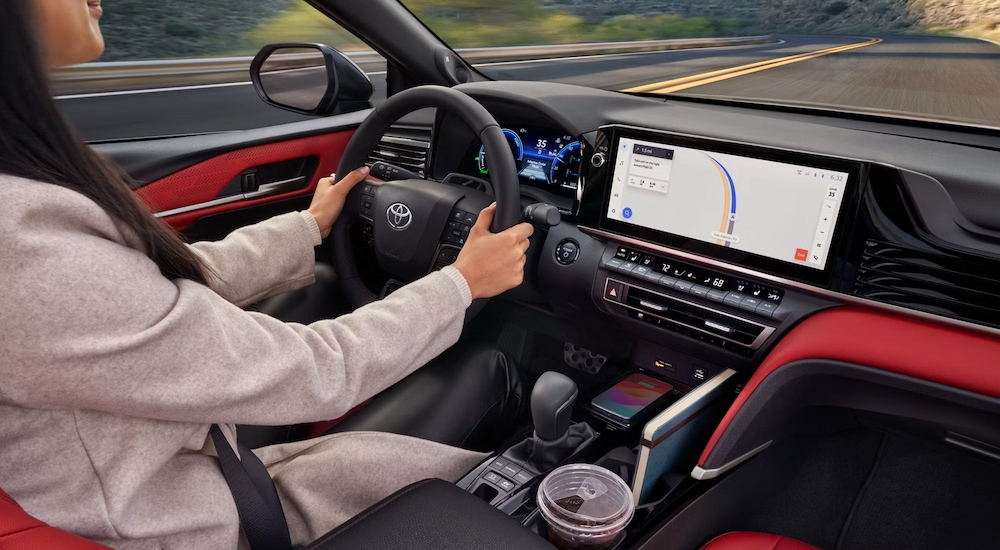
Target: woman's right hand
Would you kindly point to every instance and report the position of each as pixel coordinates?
(493, 262)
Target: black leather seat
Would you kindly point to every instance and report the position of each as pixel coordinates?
(463, 397)
(466, 397)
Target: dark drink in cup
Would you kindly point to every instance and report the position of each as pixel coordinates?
(585, 507)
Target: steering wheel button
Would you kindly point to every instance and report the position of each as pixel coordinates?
(447, 256)
(458, 215)
(469, 218)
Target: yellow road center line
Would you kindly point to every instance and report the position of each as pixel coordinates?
(700, 76)
(686, 82)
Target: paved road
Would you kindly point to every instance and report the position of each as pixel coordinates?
(947, 77)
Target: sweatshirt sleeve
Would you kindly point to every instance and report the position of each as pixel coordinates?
(264, 259)
(90, 323)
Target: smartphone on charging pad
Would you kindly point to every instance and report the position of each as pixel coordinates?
(628, 401)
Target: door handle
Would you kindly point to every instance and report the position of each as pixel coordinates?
(276, 188)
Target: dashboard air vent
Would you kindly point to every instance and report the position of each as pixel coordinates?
(403, 152)
(928, 281)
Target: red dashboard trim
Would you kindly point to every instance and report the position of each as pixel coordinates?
(937, 353)
(204, 181)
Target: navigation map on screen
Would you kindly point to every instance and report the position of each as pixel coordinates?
(773, 209)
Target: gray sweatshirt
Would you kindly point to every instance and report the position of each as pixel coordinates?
(111, 375)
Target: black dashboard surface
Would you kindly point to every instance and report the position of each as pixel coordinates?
(925, 239)
(969, 173)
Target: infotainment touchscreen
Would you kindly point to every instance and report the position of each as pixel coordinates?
(781, 211)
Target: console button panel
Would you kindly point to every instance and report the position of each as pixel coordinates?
(755, 298)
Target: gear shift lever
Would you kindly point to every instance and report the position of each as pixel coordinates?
(552, 401)
(555, 439)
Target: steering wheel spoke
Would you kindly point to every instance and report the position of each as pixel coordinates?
(414, 225)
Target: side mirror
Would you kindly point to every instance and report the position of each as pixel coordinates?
(310, 79)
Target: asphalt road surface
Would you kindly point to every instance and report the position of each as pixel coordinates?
(927, 76)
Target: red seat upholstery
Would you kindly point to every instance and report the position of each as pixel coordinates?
(743, 540)
(19, 531)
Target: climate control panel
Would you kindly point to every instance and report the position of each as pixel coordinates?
(759, 299)
(714, 307)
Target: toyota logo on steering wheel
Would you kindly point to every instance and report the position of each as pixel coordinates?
(399, 216)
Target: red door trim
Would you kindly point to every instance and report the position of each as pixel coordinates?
(204, 181)
(937, 353)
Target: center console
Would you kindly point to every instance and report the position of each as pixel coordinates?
(719, 241)
(775, 211)
(704, 251)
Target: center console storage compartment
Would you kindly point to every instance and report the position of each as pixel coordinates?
(431, 515)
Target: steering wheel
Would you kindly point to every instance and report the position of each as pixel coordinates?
(417, 225)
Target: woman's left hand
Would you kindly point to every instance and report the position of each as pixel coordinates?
(328, 202)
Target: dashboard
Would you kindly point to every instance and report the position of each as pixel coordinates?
(713, 230)
(777, 210)
(548, 158)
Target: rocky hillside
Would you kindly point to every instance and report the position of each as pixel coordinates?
(810, 15)
(144, 29)
(978, 17)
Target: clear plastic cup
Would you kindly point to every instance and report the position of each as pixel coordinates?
(586, 507)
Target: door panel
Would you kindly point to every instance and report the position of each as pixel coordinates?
(205, 182)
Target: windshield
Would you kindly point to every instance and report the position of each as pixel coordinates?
(929, 59)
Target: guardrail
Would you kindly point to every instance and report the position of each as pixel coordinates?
(169, 73)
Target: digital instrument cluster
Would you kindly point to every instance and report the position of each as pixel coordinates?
(544, 158)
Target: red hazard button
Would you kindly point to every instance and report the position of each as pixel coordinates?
(614, 291)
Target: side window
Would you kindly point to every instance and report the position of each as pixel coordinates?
(180, 67)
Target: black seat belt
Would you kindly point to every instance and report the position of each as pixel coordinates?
(257, 502)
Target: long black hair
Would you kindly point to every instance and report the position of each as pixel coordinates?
(37, 143)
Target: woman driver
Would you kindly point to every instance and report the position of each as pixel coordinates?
(121, 345)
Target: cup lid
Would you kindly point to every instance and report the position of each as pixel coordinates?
(585, 499)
